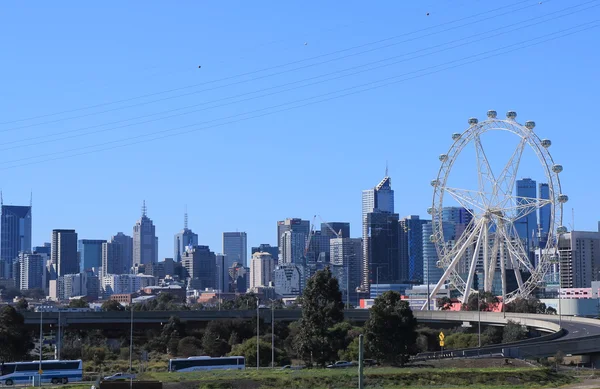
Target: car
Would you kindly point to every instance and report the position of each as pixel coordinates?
(340, 364)
(291, 367)
(119, 377)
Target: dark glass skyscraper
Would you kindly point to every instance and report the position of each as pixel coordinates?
(183, 239)
(544, 217)
(526, 226)
(381, 247)
(15, 235)
(145, 243)
(90, 254)
(411, 248)
(341, 228)
(64, 252)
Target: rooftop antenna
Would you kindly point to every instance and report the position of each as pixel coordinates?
(1, 199)
(144, 209)
(31, 198)
(185, 219)
(386, 168)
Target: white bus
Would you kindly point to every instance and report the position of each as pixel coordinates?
(206, 363)
(56, 372)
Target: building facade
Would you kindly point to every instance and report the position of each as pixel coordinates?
(336, 229)
(526, 226)
(15, 236)
(32, 269)
(222, 273)
(183, 239)
(201, 267)
(113, 261)
(291, 224)
(291, 248)
(382, 263)
(64, 252)
(579, 256)
(288, 280)
(411, 248)
(235, 247)
(261, 270)
(145, 242)
(346, 261)
(266, 248)
(90, 254)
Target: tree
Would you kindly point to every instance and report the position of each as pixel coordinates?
(213, 344)
(526, 305)
(15, 340)
(79, 303)
(444, 303)
(390, 330)
(189, 346)
(35, 293)
(10, 293)
(513, 332)
(322, 308)
(247, 349)
(486, 301)
(112, 305)
(22, 305)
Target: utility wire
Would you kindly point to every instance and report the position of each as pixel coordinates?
(482, 36)
(349, 91)
(472, 20)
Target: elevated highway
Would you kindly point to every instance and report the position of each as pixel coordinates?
(573, 335)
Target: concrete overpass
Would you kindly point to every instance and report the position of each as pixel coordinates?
(574, 335)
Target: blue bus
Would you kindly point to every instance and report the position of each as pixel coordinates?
(55, 372)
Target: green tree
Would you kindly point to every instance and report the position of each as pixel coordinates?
(241, 302)
(513, 332)
(486, 301)
(22, 305)
(526, 305)
(189, 346)
(35, 293)
(462, 340)
(214, 345)
(390, 331)
(322, 308)
(112, 305)
(444, 303)
(8, 294)
(247, 349)
(15, 341)
(78, 303)
(351, 351)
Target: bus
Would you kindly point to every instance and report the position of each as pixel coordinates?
(55, 372)
(206, 363)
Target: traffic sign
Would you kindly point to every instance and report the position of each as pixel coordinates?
(442, 336)
(40, 371)
(442, 344)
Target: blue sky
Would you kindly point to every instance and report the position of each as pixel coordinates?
(237, 174)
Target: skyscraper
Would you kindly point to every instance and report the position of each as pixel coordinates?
(15, 235)
(235, 247)
(346, 261)
(431, 272)
(32, 271)
(291, 249)
(201, 267)
(377, 214)
(64, 252)
(411, 248)
(183, 239)
(526, 226)
(291, 224)
(339, 228)
(126, 242)
(579, 256)
(544, 212)
(113, 258)
(266, 248)
(261, 269)
(222, 273)
(144, 240)
(90, 254)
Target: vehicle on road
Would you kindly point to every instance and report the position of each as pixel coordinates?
(340, 364)
(207, 363)
(52, 371)
(291, 367)
(119, 377)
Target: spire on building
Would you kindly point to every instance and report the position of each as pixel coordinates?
(386, 168)
(1, 199)
(31, 198)
(185, 219)
(144, 209)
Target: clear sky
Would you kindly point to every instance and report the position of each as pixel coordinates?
(235, 171)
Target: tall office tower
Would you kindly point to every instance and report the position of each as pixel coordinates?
(201, 267)
(431, 272)
(183, 239)
(290, 224)
(411, 248)
(113, 258)
(90, 254)
(382, 264)
(288, 280)
(526, 226)
(544, 214)
(15, 235)
(455, 221)
(336, 228)
(266, 248)
(240, 278)
(378, 200)
(235, 247)
(32, 268)
(291, 249)
(579, 256)
(45, 249)
(346, 261)
(261, 270)
(64, 252)
(126, 242)
(222, 273)
(318, 249)
(145, 248)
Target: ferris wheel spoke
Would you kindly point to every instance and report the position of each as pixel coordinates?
(523, 206)
(516, 249)
(506, 179)
(485, 175)
(467, 199)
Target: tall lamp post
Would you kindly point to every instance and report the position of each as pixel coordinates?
(272, 333)
(41, 343)
(131, 348)
(257, 334)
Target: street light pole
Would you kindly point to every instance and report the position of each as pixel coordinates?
(272, 334)
(131, 348)
(41, 342)
(479, 320)
(257, 335)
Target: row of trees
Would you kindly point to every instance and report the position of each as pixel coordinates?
(486, 301)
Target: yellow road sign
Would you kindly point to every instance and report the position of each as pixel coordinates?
(442, 344)
(40, 371)
(442, 336)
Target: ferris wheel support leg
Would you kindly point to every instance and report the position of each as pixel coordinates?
(473, 264)
(492, 265)
(515, 265)
(486, 259)
(453, 264)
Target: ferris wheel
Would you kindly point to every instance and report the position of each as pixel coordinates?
(490, 243)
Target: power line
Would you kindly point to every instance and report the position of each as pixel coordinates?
(520, 24)
(365, 87)
(470, 18)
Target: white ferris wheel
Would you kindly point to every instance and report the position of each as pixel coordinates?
(490, 243)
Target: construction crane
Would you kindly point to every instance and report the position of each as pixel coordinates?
(337, 234)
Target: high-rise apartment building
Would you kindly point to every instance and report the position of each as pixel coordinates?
(235, 247)
(15, 235)
(411, 248)
(291, 224)
(222, 273)
(291, 248)
(579, 256)
(64, 252)
(379, 251)
(526, 226)
(145, 243)
(431, 272)
(183, 239)
(318, 250)
(346, 261)
(126, 242)
(266, 248)
(201, 267)
(113, 258)
(90, 254)
(32, 269)
(261, 270)
(544, 214)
